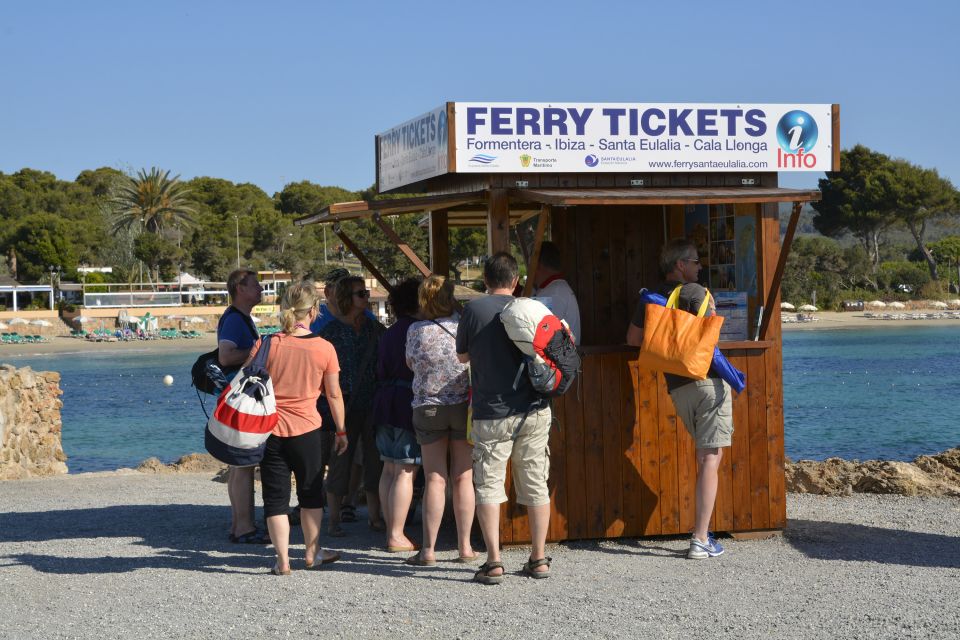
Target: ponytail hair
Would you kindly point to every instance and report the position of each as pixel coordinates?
(295, 306)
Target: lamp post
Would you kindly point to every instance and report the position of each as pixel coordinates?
(237, 220)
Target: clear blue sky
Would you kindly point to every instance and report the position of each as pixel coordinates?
(276, 92)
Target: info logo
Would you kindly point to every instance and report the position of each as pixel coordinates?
(797, 130)
(591, 160)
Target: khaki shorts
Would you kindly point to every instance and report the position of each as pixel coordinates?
(706, 409)
(434, 422)
(493, 447)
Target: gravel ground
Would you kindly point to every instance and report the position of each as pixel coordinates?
(136, 555)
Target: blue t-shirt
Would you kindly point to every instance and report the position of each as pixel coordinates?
(324, 318)
(237, 328)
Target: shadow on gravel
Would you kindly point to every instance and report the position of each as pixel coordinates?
(181, 536)
(839, 541)
(186, 537)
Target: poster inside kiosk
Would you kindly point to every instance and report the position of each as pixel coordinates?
(583, 137)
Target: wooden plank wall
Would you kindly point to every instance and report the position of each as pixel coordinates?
(622, 463)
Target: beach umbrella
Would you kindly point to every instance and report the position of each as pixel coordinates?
(133, 319)
(938, 304)
(3, 325)
(786, 306)
(877, 303)
(83, 319)
(808, 307)
(897, 305)
(954, 304)
(18, 321)
(41, 323)
(195, 320)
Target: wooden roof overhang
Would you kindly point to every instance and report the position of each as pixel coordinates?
(475, 209)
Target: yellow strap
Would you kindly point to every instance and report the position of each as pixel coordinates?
(674, 300)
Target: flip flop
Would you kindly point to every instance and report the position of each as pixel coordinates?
(328, 559)
(251, 537)
(483, 573)
(403, 549)
(530, 565)
(418, 561)
(467, 559)
(348, 513)
(277, 571)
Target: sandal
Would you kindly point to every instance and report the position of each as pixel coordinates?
(251, 537)
(528, 568)
(326, 557)
(277, 571)
(418, 560)
(348, 513)
(483, 573)
(467, 559)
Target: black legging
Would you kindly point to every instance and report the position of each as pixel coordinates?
(300, 454)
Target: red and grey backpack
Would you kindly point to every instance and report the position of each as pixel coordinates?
(550, 355)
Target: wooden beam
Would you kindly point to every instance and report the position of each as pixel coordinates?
(771, 297)
(401, 244)
(439, 231)
(355, 250)
(498, 222)
(537, 243)
(835, 125)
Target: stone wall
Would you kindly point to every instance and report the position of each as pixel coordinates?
(30, 423)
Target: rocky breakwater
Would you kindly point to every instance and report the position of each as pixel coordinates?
(937, 475)
(30, 423)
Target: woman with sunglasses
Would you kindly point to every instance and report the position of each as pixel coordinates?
(355, 337)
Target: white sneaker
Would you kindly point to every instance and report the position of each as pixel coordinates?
(701, 550)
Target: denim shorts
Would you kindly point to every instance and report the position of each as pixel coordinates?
(398, 446)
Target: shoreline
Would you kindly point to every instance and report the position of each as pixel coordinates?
(857, 320)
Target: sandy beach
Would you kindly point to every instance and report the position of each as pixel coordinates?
(126, 554)
(857, 320)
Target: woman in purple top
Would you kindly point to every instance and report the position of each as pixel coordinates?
(392, 417)
(440, 393)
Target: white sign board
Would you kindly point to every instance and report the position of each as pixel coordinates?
(413, 151)
(494, 137)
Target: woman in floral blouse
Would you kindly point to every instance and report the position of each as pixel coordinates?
(440, 387)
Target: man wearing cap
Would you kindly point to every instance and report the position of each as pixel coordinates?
(329, 307)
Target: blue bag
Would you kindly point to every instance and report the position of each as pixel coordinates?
(720, 365)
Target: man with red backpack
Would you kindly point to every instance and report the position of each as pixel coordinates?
(511, 421)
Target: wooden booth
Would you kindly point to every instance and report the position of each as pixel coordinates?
(622, 464)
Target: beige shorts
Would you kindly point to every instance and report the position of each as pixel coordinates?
(706, 409)
(494, 446)
(434, 422)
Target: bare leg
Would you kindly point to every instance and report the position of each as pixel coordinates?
(464, 498)
(398, 504)
(279, 528)
(240, 492)
(387, 477)
(310, 521)
(373, 507)
(434, 494)
(333, 504)
(489, 515)
(539, 524)
(708, 466)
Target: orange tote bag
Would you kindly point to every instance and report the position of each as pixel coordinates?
(678, 342)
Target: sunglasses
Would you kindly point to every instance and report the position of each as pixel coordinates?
(363, 293)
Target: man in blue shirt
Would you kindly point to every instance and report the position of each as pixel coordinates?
(236, 336)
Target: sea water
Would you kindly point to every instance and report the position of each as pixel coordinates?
(887, 393)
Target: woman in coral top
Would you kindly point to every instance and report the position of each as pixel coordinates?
(301, 366)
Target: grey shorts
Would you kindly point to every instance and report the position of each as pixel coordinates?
(706, 409)
(434, 422)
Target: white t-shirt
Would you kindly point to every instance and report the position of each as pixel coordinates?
(559, 298)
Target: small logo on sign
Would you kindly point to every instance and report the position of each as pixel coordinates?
(482, 158)
(797, 130)
(591, 160)
(525, 160)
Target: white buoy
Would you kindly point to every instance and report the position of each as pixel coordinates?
(168, 380)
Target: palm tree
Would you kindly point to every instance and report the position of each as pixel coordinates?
(152, 199)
